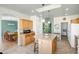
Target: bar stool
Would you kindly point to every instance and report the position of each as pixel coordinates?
(36, 46)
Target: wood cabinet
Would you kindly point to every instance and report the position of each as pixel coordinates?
(75, 21)
(54, 45)
(28, 38)
(26, 24)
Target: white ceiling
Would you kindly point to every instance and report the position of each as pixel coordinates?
(27, 9)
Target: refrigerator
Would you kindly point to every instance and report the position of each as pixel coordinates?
(75, 33)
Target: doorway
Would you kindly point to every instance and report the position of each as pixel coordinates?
(64, 29)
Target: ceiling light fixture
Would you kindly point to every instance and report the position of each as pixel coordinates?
(32, 11)
(48, 22)
(43, 4)
(48, 7)
(43, 20)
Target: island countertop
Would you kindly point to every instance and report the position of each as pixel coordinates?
(46, 36)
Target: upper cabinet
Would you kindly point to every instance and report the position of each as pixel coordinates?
(26, 24)
(75, 21)
(30, 24)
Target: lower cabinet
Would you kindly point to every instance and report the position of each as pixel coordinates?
(54, 45)
(28, 38)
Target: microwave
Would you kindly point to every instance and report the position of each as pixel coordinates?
(26, 31)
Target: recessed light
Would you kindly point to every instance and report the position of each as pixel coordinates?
(49, 22)
(43, 20)
(67, 9)
(32, 11)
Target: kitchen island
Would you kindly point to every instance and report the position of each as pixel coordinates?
(47, 43)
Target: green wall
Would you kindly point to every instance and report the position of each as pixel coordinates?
(0, 29)
(10, 26)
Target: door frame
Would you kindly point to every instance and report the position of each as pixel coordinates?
(67, 28)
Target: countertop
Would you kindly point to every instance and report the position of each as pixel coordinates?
(46, 36)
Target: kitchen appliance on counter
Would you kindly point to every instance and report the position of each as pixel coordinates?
(26, 31)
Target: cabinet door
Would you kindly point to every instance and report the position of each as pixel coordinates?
(21, 24)
(54, 45)
(30, 24)
(24, 23)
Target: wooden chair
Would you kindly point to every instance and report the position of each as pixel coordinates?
(6, 36)
(15, 36)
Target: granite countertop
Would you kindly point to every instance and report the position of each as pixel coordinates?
(46, 36)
